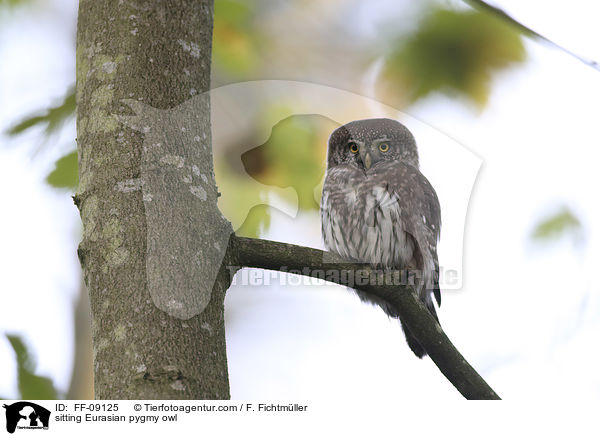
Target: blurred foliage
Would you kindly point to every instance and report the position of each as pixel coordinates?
(12, 3)
(66, 174)
(53, 118)
(449, 51)
(257, 221)
(241, 202)
(552, 228)
(292, 157)
(235, 39)
(31, 386)
(455, 52)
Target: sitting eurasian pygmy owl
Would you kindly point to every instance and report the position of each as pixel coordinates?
(378, 208)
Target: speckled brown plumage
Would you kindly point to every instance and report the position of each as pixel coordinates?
(378, 208)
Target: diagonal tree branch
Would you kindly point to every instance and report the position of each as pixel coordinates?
(258, 253)
(486, 7)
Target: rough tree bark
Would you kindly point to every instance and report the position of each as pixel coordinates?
(157, 53)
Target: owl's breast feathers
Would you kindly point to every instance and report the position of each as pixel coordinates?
(388, 216)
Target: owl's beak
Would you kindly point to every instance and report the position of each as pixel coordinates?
(365, 156)
(367, 160)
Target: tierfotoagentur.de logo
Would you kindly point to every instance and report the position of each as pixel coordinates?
(26, 415)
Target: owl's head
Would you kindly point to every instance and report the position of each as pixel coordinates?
(365, 143)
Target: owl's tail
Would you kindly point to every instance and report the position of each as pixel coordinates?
(412, 342)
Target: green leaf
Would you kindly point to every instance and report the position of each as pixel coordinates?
(293, 156)
(66, 174)
(257, 221)
(454, 52)
(31, 386)
(52, 118)
(235, 13)
(557, 225)
(12, 3)
(241, 201)
(236, 41)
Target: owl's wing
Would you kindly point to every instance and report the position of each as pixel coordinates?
(420, 216)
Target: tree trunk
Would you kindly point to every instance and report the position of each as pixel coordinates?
(157, 53)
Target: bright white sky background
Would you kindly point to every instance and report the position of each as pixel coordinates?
(527, 317)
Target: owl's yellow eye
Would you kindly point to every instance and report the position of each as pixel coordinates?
(353, 147)
(383, 147)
